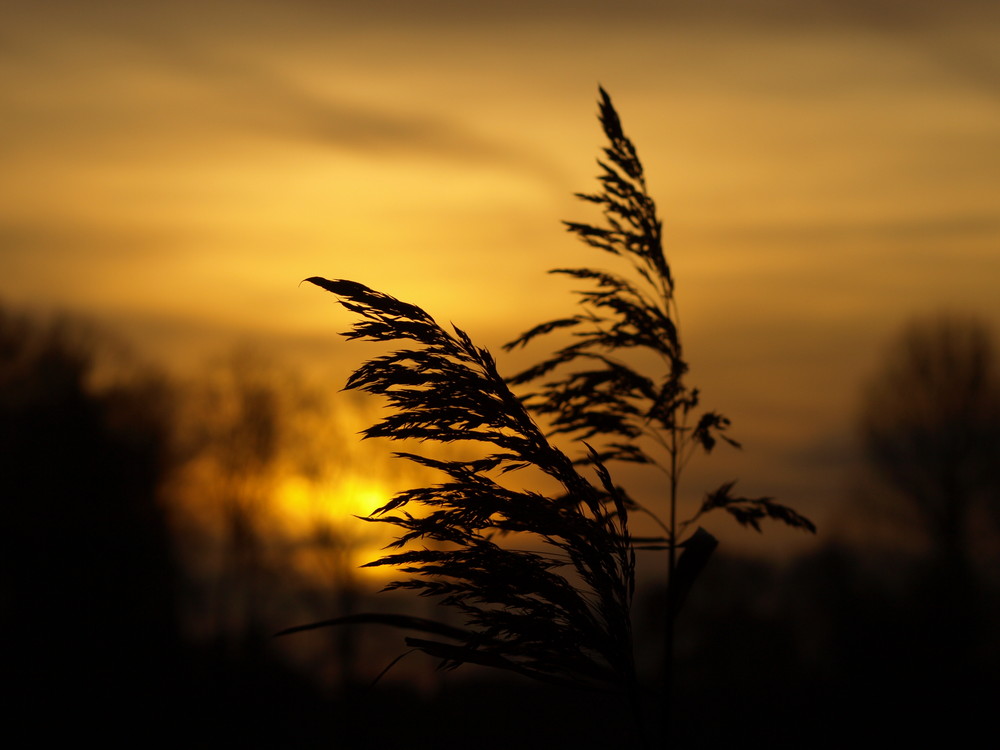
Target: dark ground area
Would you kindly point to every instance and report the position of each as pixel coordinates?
(840, 647)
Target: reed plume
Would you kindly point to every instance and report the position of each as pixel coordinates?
(556, 609)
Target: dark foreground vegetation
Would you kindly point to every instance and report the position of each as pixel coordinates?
(853, 640)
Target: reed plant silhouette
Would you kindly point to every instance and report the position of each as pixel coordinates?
(558, 609)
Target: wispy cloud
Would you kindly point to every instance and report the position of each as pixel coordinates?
(190, 82)
(926, 229)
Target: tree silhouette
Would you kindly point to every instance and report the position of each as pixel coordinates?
(88, 584)
(931, 431)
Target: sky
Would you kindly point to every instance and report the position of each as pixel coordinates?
(825, 170)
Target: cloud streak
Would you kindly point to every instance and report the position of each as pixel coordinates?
(229, 86)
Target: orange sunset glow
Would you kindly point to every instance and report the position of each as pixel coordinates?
(823, 178)
(827, 173)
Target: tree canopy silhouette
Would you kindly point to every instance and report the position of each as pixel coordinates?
(931, 430)
(89, 579)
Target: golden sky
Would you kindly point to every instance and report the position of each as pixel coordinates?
(826, 170)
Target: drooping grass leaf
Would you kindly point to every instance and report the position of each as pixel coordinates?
(751, 511)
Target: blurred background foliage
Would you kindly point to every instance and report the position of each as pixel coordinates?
(157, 530)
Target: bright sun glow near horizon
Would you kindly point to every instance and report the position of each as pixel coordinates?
(309, 508)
